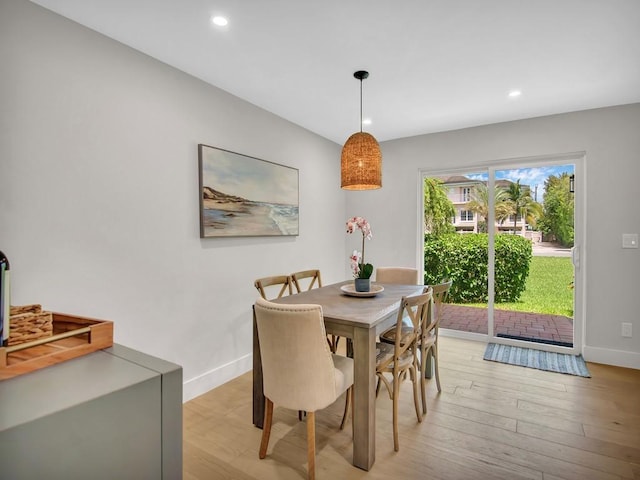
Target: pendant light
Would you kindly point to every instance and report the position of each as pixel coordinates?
(361, 162)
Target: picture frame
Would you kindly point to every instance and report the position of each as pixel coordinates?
(244, 196)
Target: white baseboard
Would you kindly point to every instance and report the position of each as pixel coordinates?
(201, 384)
(207, 381)
(476, 337)
(608, 356)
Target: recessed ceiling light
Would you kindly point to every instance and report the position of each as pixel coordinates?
(515, 93)
(220, 21)
(366, 121)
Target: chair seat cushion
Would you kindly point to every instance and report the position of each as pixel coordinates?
(429, 340)
(389, 336)
(343, 372)
(384, 352)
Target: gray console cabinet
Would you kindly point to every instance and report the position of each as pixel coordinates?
(112, 414)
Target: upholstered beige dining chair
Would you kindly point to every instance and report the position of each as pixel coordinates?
(401, 357)
(428, 342)
(282, 284)
(273, 287)
(300, 372)
(398, 275)
(306, 280)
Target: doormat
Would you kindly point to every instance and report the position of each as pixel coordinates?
(536, 340)
(528, 357)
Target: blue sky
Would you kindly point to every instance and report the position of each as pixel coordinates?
(533, 177)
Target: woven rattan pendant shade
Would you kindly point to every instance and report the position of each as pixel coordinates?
(361, 161)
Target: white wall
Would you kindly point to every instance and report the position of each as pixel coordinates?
(610, 137)
(99, 194)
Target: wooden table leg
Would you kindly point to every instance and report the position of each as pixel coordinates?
(428, 373)
(258, 392)
(364, 399)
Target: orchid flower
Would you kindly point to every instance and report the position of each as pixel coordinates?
(355, 263)
(360, 269)
(360, 223)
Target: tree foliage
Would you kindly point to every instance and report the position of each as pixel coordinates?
(479, 204)
(438, 209)
(523, 204)
(557, 218)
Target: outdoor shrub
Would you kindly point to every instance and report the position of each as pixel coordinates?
(464, 258)
(513, 256)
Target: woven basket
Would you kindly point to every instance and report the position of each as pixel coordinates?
(29, 322)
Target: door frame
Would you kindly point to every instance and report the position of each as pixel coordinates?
(578, 159)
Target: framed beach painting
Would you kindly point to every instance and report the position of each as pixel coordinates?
(242, 196)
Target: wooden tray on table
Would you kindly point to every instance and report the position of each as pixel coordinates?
(72, 337)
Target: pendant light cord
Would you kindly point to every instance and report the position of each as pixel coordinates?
(360, 105)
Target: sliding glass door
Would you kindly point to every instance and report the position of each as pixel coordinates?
(511, 247)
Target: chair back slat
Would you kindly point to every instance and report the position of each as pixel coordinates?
(313, 275)
(283, 281)
(432, 326)
(440, 296)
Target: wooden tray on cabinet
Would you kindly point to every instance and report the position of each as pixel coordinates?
(72, 337)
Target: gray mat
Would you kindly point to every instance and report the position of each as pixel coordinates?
(529, 357)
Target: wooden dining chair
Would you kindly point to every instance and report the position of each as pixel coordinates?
(265, 284)
(402, 357)
(305, 281)
(300, 372)
(398, 275)
(311, 277)
(428, 342)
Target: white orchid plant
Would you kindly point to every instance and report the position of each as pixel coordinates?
(359, 268)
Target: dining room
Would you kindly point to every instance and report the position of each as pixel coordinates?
(101, 217)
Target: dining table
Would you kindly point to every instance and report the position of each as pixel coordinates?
(360, 317)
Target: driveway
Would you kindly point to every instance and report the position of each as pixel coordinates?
(546, 249)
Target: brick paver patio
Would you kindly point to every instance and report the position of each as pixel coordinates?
(529, 325)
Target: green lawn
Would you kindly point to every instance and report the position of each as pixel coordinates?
(548, 288)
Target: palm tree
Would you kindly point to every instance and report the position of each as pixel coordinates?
(531, 211)
(479, 203)
(522, 204)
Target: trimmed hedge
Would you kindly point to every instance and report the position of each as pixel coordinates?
(463, 258)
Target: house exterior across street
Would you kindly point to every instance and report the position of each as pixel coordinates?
(461, 190)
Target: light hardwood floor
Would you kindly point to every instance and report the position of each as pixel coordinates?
(491, 421)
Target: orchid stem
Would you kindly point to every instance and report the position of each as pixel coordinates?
(362, 260)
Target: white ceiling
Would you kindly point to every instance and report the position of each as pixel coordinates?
(434, 65)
